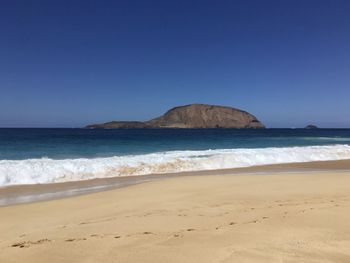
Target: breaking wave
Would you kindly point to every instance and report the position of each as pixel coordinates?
(45, 170)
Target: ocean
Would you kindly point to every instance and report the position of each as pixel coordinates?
(37, 156)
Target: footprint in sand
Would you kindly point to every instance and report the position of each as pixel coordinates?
(253, 222)
(75, 239)
(96, 235)
(26, 244)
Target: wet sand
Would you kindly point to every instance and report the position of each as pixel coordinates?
(32, 193)
(284, 213)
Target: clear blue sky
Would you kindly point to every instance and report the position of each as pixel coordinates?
(71, 63)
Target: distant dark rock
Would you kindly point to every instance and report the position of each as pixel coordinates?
(311, 127)
(192, 116)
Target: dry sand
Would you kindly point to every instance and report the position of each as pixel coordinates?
(279, 217)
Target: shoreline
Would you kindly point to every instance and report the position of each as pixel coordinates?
(22, 194)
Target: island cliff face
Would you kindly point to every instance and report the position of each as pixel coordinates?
(192, 116)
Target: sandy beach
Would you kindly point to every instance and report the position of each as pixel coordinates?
(267, 217)
(175, 131)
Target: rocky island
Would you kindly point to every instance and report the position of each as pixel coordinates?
(192, 116)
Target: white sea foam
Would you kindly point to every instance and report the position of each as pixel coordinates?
(45, 170)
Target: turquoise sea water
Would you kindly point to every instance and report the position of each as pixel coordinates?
(32, 156)
(20, 144)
